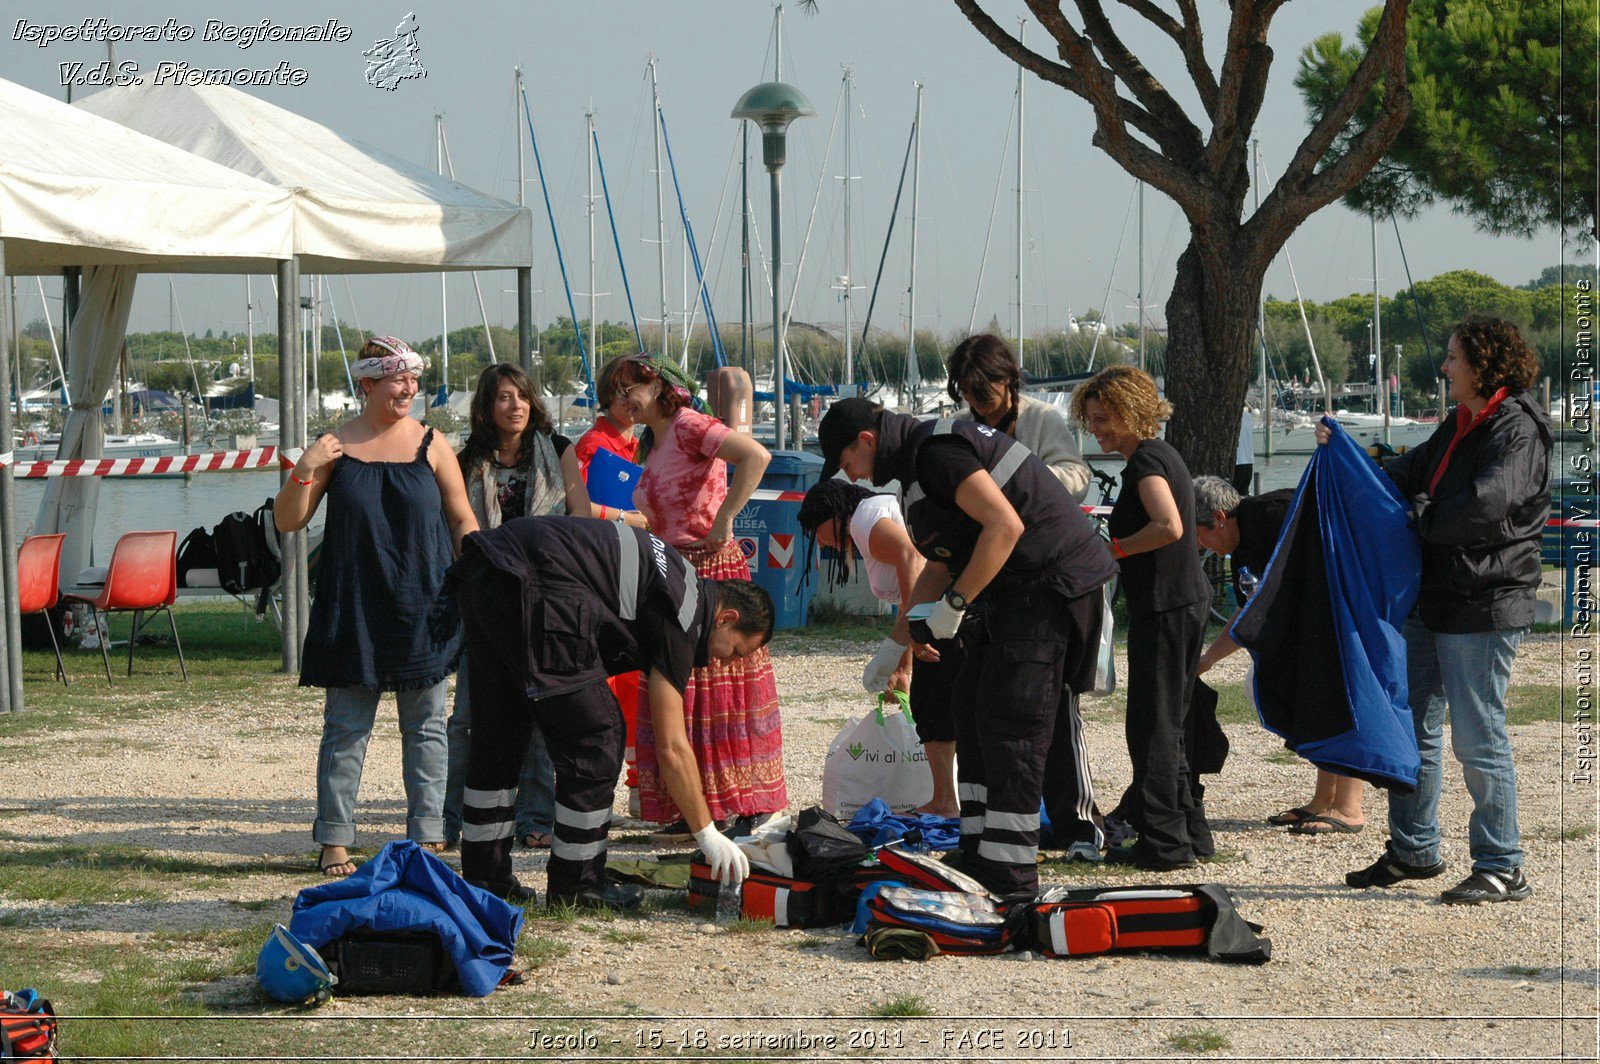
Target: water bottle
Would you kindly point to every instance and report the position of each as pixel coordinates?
(730, 903)
(1247, 582)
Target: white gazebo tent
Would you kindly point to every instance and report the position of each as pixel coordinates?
(79, 192)
(356, 210)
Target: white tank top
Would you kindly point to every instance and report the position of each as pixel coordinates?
(883, 578)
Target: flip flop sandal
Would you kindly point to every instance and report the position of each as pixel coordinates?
(1325, 825)
(536, 840)
(1289, 816)
(326, 867)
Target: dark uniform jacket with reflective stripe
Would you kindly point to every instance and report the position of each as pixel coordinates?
(582, 599)
(1059, 547)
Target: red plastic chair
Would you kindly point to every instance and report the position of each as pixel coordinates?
(39, 583)
(143, 575)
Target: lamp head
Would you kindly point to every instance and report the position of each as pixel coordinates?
(773, 105)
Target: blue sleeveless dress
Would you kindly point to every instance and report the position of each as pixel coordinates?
(379, 619)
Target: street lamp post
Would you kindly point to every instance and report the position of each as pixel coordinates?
(773, 105)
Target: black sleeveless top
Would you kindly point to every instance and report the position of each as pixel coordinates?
(379, 619)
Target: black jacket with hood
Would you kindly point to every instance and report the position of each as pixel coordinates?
(1481, 524)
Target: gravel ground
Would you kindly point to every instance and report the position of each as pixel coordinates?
(1370, 974)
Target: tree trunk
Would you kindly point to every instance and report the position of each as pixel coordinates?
(1211, 328)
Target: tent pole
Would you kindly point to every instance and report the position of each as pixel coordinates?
(302, 402)
(525, 319)
(10, 620)
(288, 331)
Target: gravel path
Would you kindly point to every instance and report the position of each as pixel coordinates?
(1385, 974)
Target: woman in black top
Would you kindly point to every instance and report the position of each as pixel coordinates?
(1152, 527)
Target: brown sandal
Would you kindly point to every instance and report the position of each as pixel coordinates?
(536, 840)
(328, 868)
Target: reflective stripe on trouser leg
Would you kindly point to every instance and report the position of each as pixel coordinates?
(502, 722)
(1008, 692)
(971, 789)
(1068, 784)
(583, 730)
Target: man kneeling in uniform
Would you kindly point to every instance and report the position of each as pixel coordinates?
(551, 607)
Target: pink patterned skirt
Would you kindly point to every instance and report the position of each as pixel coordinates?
(731, 712)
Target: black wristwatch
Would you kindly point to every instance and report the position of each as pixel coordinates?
(955, 600)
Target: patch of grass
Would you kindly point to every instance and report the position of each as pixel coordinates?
(1204, 1040)
(82, 874)
(810, 942)
(834, 722)
(639, 838)
(1223, 856)
(1283, 757)
(746, 925)
(259, 904)
(664, 901)
(225, 657)
(624, 938)
(903, 1005)
(536, 951)
(1529, 704)
(1570, 833)
(1522, 970)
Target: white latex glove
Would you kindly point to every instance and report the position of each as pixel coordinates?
(944, 620)
(728, 863)
(879, 672)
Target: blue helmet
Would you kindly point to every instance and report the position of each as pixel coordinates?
(290, 971)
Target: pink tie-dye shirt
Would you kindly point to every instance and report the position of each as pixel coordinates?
(684, 483)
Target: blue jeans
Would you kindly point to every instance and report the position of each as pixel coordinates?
(536, 788)
(1470, 672)
(346, 726)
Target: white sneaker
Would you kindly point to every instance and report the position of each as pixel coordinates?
(634, 808)
(1083, 851)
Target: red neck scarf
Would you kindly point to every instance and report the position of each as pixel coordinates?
(1465, 423)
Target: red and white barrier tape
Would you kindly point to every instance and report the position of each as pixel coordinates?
(216, 461)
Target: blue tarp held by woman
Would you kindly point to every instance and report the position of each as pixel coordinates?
(406, 888)
(1324, 626)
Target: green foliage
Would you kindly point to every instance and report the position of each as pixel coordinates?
(1433, 308)
(1503, 112)
(902, 1005)
(1205, 1040)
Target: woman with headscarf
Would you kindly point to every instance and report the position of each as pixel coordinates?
(686, 495)
(397, 509)
(515, 465)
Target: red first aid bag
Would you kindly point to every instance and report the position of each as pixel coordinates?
(27, 1027)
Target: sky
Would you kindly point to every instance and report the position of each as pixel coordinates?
(1080, 246)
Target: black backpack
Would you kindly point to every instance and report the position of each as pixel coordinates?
(197, 551)
(246, 559)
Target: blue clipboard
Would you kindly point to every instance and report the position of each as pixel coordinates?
(612, 479)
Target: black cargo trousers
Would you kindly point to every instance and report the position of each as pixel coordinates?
(1024, 661)
(584, 732)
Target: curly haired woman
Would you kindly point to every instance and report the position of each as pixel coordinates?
(1480, 489)
(1153, 537)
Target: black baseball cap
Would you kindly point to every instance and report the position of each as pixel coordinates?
(841, 425)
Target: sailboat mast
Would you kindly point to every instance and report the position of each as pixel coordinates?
(527, 351)
(912, 371)
(444, 302)
(249, 330)
(661, 218)
(1022, 25)
(849, 278)
(589, 143)
(1261, 321)
(777, 36)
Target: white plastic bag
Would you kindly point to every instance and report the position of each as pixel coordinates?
(1105, 667)
(877, 756)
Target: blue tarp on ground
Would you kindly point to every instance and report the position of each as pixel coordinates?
(406, 888)
(1324, 626)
